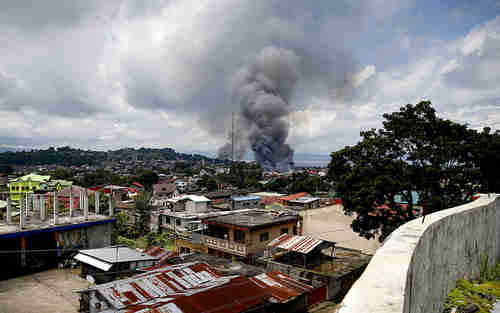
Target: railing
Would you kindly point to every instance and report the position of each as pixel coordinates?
(224, 245)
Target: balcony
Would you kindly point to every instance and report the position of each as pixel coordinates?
(224, 245)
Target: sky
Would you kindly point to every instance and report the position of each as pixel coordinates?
(159, 73)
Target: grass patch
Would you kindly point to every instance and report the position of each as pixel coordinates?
(482, 294)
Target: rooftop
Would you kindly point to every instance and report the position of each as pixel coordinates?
(33, 177)
(196, 288)
(344, 261)
(253, 218)
(302, 244)
(267, 194)
(294, 196)
(245, 198)
(35, 225)
(304, 200)
(117, 254)
(190, 215)
(194, 198)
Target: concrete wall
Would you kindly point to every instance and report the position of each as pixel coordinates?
(274, 231)
(419, 263)
(99, 236)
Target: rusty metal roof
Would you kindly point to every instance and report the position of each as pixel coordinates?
(302, 244)
(196, 288)
(161, 253)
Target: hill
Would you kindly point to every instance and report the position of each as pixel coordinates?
(68, 156)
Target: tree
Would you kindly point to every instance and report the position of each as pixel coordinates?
(487, 154)
(148, 179)
(143, 211)
(208, 182)
(415, 153)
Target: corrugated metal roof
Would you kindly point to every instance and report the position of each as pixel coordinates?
(302, 244)
(160, 253)
(117, 254)
(196, 288)
(105, 266)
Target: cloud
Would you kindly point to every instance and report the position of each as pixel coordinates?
(128, 73)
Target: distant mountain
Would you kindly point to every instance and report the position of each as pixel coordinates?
(7, 149)
(69, 156)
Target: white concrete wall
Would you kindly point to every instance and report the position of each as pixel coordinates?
(419, 263)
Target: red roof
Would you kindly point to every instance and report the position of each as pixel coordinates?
(294, 196)
(197, 288)
(138, 184)
(161, 253)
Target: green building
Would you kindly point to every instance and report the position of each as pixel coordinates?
(26, 184)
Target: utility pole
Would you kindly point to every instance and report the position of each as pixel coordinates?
(232, 137)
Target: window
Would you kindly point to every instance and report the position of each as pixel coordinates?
(167, 219)
(264, 237)
(178, 222)
(284, 231)
(239, 236)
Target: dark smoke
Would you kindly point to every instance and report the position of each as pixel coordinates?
(263, 90)
(240, 144)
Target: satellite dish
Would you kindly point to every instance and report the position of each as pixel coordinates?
(90, 279)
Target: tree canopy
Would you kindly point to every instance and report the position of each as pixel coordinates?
(416, 156)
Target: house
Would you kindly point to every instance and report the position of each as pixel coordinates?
(285, 200)
(105, 264)
(329, 268)
(244, 202)
(137, 186)
(165, 191)
(305, 202)
(181, 185)
(246, 234)
(198, 288)
(30, 183)
(193, 203)
(4, 180)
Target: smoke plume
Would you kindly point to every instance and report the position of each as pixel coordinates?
(263, 89)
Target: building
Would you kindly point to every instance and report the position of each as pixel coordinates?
(285, 200)
(21, 186)
(192, 203)
(181, 185)
(43, 235)
(162, 192)
(305, 202)
(267, 198)
(198, 288)
(330, 269)
(247, 234)
(244, 202)
(105, 264)
(137, 185)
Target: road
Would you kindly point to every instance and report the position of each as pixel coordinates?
(44, 292)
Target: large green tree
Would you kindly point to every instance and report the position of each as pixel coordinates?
(417, 156)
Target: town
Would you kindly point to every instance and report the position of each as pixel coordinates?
(172, 237)
(264, 156)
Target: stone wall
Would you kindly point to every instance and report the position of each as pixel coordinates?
(420, 262)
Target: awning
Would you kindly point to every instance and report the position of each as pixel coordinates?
(105, 266)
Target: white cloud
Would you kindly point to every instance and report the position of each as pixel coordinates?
(367, 72)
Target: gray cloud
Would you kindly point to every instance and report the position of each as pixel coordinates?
(160, 71)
